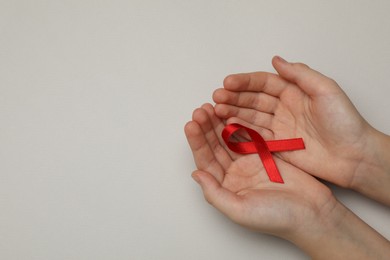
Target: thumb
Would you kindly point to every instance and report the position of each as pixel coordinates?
(310, 81)
(221, 198)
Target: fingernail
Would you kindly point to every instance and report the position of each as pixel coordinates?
(280, 59)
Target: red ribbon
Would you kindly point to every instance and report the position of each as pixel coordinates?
(263, 148)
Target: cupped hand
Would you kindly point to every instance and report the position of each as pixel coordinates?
(301, 102)
(239, 187)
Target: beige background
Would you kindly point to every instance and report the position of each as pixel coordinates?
(93, 98)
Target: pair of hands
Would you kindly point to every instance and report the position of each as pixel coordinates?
(298, 102)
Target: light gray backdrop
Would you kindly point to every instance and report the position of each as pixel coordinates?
(94, 96)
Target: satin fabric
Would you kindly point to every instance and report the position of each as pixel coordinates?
(261, 147)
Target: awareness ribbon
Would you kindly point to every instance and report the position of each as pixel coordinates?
(261, 147)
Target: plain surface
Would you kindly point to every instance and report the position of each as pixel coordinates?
(94, 96)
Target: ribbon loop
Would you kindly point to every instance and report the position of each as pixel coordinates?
(261, 147)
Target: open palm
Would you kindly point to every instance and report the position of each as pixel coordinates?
(238, 185)
(299, 103)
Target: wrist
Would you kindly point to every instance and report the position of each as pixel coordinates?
(309, 236)
(340, 234)
(372, 177)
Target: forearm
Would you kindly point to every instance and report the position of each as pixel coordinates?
(372, 178)
(342, 235)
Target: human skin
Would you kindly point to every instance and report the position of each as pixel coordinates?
(341, 147)
(302, 210)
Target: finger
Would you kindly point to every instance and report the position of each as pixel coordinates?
(218, 126)
(310, 81)
(203, 155)
(252, 116)
(268, 83)
(267, 134)
(258, 101)
(221, 198)
(220, 153)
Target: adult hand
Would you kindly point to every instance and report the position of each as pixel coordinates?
(302, 210)
(341, 147)
(239, 187)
